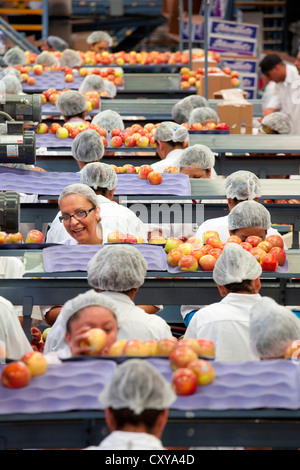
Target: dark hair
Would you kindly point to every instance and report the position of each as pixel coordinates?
(125, 416)
(101, 191)
(244, 286)
(172, 144)
(80, 115)
(269, 62)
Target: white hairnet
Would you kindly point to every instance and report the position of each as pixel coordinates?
(10, 85)
(117, 268)
(92, 83)
(58, 44)
(202, 115)
(249, 214)
(71, 103)
(70, 58)
(47, 59)
(99, 36)
(272, 328)
(197, 156)
(242, 185)
(278, 122)
(182, 109)
(109, 119)
(15, 56)
(11, 71)
(82, 189)
(110, 88)
(235, 265)
(171, 132)
(137, 385)
(88, 146)
(99, 175)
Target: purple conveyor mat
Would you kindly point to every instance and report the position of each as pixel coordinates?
(51, 141)
(237, 386)
(52, 183)
(73, 258)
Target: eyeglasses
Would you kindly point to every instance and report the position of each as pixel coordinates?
(78, 215)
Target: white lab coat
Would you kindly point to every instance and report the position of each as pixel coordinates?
(114, 217)
(122, 440)
(283, 97)
(171, 159)
(12, 335)
(226, 323)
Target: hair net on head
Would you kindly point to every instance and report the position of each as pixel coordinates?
(272, 328)
(87, 299)
(182, 109)
(137, 385)
(47, 59)
(278, 122)
(235, 265)
(242, 185)
(117, 268)
(99, 175)
(11, 71)
(70, 58)
(109, 119)
(249, 214)
(71, 103)
(15, 56)
(197, 156)
(88, 146)
(92, 83)
(82, 189)
(110, 88)
(171, 132)
(10, 84)
(58, 44)
(202, 115)
(99, 36)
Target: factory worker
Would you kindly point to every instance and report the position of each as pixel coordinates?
(118, 271)
(12, 337)
(226, 323)
(276, 123)
(87, 147)
(103, 179)
(109, 120)
(10, 71)
(70, 58)
(72, 105)
(272, 328)
(54, 43)
(10, 85)
(110, 88)
(92, 83)
(137, 399)
(85, 311)
(15, 56)
(204, 115)
(99, 41)
(171, 139)
(240, 186)
(182, 109)
(46, 59)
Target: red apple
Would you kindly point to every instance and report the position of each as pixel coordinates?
(128, 168)
(197, 126)
(269, 262)
(191, 343)
(42, 128)
(53, 98)
(234, 239)
(292, 350)
(96, 339)
(208, 234)
(116, 237)
(115, 132)
(195, 241)
(247, 246)
(207, 262)
(13, 238)
(258, 253)
(275, 240)
(36, 335)
(69, 77)
(130, 238)
(207, 347)
(171, 169)
(142, 141)
(181, 356)
(135, 347)
(216, 252)
(187, 248)
(188, 263)
(201, 251)
(222, 126)
(204, 371)
(174, 256)
(171, 243)
(214, 241)
(166, 346)
(144, 171)
(116, 141)
(279, 254)
(37, 69)
(74, 132)
(253, 240)
(152, 345)
(265, 245)
(62, 133)
(53, 128)
(116, 349)
(130, 142)
(36, 362)
(154, 177)
(30, 81)
(34, 236)
(184, 381)
(158, 240)
(16, 375)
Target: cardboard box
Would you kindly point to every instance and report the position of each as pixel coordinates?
(238, 116)
(218, 95)
(215, 83)
(232, 45)
(196, 63)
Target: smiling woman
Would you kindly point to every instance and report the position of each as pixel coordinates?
(80, 214)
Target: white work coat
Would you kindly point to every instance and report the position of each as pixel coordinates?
(226, 323)
(284, 95)
(171, 159)
(114, 217)
(12, 336)
(122, 440)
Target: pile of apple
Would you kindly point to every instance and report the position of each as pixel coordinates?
(92, 97)
(18, 374)
(282, 201)
(191, 254)
(142, 171)
(210, 126)
(114, 75)
(135, 135)
(192, 78)
(33, 236)
(119, 237)
(69, 130)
